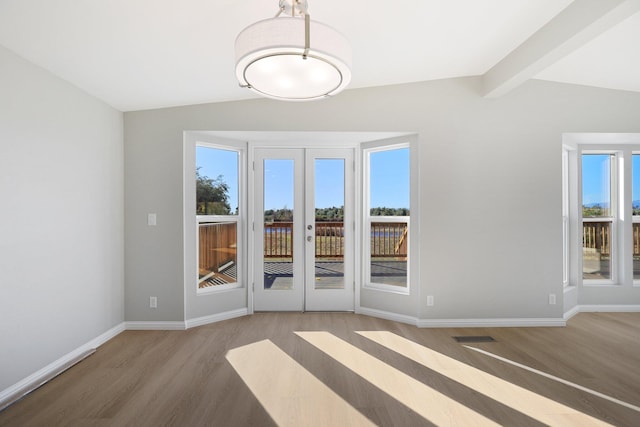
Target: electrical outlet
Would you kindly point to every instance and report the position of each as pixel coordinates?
(429, 300)
(151, 219)
(552, 299)
(153, 302)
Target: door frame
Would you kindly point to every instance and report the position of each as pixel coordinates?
(356, 210)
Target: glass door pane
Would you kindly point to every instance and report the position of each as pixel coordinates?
(329, 224)
(278, 223)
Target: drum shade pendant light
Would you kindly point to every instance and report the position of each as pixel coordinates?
(290, 57)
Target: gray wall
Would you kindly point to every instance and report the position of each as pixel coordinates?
(61, 218)
(490, 188)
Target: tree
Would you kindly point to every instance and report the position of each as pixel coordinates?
(212, 195)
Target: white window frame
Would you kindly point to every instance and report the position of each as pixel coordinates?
(614, 218)
(368, 219)
(238, 219)
(566, 252)
(635, 219)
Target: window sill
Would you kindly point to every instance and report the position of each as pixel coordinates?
(386, 288)
(218, 289)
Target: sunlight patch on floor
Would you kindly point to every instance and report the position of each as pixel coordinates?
(538, 407)
(557, 379)
(288, 392)
(422, 399)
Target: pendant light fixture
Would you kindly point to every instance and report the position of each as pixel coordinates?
(290, 57)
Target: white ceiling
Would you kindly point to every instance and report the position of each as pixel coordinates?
(141, 54)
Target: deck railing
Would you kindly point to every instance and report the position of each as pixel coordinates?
(278, 240)
(217, 246)
(388, 239)
(597, 236)
(330, 239)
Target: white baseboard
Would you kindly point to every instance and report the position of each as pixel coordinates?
(602, 308)
(614, 308)
(402, 318)
(569, 314)
(205, 320)
(19, 389)
(490, 323)
(155, 326)
(462, 323)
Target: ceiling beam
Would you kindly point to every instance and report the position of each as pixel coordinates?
(577, 24)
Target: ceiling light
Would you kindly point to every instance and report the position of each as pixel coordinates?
(290, 57)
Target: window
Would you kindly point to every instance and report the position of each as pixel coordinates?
(603, 196)
(635, 209)
(599, 216)
(217, 213)
(386, 242)
(565, 217)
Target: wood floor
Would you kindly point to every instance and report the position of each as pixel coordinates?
(328, 369)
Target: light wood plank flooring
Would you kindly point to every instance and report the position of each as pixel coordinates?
(279, 369)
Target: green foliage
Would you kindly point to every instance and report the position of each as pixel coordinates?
(212, 195)
(333, 213)
(330, 214)
(279, 215)
(383, 211)
(595, 211)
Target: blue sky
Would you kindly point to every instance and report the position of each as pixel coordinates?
(595, 178)
(389, 178)
(216, 162)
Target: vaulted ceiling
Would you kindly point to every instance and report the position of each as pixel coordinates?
(141, 54)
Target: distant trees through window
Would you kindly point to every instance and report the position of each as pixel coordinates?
(212, 195)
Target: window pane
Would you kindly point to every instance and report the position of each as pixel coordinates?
(217, 263)
(596, 185)
(389, 196)
(596, 203)
(596, 250)
(389, 251)
(635, 205)
(216, 181)
(389, 182)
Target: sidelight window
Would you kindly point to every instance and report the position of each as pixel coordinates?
(599, 216)
(217, 213)
(387, 219)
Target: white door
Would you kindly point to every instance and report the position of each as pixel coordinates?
(304, 230)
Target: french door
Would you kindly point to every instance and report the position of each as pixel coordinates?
(303, 229)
